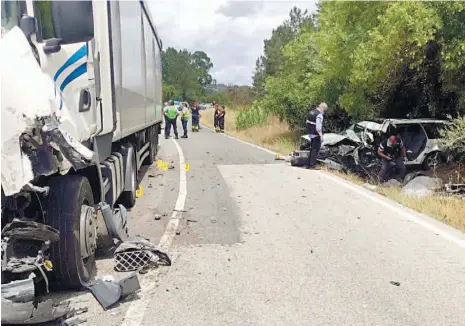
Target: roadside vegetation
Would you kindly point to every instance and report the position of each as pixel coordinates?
(366, 60)
(275, 135)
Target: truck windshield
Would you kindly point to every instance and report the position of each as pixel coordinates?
(10, 15)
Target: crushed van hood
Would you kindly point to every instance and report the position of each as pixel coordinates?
(30, 119)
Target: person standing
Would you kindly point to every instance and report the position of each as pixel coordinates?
(215, 121)
(315, 131)
(392, 152)
(184, 119)
(171, 113)
(195, 111)
(221, 114)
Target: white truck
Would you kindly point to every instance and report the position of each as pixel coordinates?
(71, 156)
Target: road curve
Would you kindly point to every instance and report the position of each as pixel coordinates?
(261, 243)
(268, 244)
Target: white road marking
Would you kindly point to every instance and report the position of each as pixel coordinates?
(418, 218)
(136, 312)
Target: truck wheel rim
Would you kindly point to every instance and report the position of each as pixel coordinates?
(88, 231)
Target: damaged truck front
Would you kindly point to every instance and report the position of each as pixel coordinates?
(74, 137)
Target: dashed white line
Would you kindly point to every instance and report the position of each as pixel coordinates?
(136, 312)
(421, 220)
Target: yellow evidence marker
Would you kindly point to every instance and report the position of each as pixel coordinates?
(165, 166)
(278, 156)
(139, 192)
(159, 163)
(187, 167)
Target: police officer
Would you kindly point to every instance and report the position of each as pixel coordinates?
(184, 118)
(392, 152)
(195, 110)
(315, 131)
(170, 113)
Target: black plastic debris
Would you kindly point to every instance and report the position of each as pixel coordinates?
(108, 293)
(395, 283)
(138, 253)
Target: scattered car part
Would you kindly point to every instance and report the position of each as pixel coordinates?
(74, 321)
(108, 293)
(299, 158)
(138, 253)
(19, 305)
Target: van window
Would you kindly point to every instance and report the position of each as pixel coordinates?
(433, 130)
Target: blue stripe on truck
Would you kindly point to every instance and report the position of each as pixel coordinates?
(79, 71)
(78, 55)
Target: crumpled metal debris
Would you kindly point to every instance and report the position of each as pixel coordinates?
(138, 253)
(108, 293)
(19, 306)
(17, 261)
(455, 188)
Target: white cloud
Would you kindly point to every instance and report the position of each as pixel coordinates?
(230, 32)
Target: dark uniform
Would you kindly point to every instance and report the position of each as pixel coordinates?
(221, 114)
(314, 126)
(392, 147)
(195, 117)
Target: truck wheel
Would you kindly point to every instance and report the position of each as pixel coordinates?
(70, 209)
(153, 149)
(128, 197)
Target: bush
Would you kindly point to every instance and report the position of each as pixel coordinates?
(251, 116)
(454, 137)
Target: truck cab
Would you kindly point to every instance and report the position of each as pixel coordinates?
(101, 61)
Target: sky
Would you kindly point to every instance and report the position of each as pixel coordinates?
(230, 32)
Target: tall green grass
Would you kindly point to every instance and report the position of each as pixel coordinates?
(250, 116)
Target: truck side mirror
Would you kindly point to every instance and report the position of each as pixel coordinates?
(73, 21)
(28, 25)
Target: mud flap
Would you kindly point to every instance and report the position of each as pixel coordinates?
(116, 221)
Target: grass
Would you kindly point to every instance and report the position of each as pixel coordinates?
(276, 135)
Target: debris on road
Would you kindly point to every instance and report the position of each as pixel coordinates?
(395, 283)
(191, 221)
(157, 217)
(74, 321)
(108, 293)
(19, 305)
(138, 253)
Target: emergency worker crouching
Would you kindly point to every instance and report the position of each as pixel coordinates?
(392, 152)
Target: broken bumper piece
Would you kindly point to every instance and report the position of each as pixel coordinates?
(138, 253)
(19, 307)
(108, 293)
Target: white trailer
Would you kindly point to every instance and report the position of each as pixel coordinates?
(104, 58)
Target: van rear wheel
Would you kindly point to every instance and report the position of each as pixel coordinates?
(69, 208)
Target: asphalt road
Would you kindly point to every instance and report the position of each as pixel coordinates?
(257, 242)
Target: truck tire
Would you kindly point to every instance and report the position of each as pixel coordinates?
(128, 198)
(153, 149)
(63, 211)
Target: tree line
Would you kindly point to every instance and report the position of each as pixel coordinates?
(366, 60)
(185, 74)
